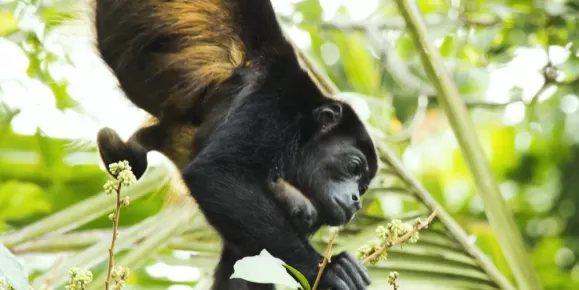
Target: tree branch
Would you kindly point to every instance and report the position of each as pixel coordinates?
(498, 213)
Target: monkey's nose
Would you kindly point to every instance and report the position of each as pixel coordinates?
(356, 201)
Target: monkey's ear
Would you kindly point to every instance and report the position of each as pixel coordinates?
(328, 115)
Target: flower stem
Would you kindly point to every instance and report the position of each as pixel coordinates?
(114, 238)
(400, 240)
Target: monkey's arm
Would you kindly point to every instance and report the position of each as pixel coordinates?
(300, 208)
(237, 206)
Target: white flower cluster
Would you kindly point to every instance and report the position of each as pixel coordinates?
(392, 277)
(125, 201)
(369, 249)
(394, 230)
(5, 285)
(78, 279)
(387, 236)
(118, 167)
(111, 186)
(123, 177)
(120, 275)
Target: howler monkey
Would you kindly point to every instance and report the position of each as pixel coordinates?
(224, 67)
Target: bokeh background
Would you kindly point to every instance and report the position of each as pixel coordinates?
(516, 65)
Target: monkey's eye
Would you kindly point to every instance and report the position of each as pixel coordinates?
(355, 167)
(363, 188)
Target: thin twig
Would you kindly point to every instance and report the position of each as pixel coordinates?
(478, 104)
(114, 239)
(326, 260)
(400, 240)
(389, 23)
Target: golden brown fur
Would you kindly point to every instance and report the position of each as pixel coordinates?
(188, 47)
(177, 145)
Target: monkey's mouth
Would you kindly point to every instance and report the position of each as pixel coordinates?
(341, 213)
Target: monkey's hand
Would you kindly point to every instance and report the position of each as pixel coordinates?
(304, 215)
(113, 149)
(345, 273)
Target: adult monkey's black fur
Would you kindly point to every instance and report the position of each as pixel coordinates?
(224, 66)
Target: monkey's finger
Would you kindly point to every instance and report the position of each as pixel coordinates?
(340, 285)
(356, 266)
(358, 277)
(348, 277)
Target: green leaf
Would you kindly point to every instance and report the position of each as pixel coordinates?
(21, 199)
(8, 24)
(264, 268)
(300, 276)
(473, 55)
(447, 46)
(429, 6)
(85, 211)
(483, 37)
(406, 48)
(12, 270)
(55, 17)
(472, 82)
(52, 156)
(63, 99)
(359, 66)
(310, 9)
(7, 114)
(571, 67)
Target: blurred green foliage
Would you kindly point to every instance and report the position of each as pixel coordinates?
(535, 158)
